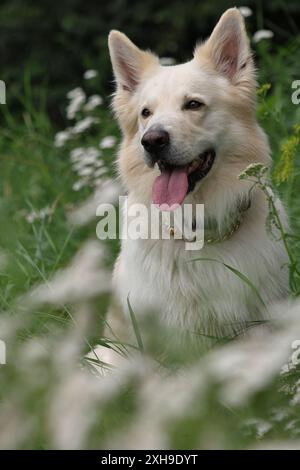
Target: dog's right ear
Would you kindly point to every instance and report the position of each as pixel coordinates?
(128, 61)
(228, 47)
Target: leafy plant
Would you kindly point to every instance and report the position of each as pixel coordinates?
(257, 173)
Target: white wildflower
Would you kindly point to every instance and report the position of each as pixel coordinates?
(98, 182)
(99, 163)
(31, 217)
(76, 154)
(84, 156)
(100, 172)
(108, 193)
(85, 171)
(79, 165)
(291, 425)
(262, 34)
(88, 74)
(86, 163)
(278, 445)
(77, 98)
(245, 11)
(62, 137)
(46, 211)
(247, 367)
(38, 214)
(93, 102)
(86, 277)
(285, 369)
(79, 185)
(92, 152)
(108, 142)
(279, 414)
(263, 427)
(84, 124)
(296, 399)
(167, 61)
(83, 164)
(70, 417)
(75, 93)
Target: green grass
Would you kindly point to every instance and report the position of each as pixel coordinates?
(37, 175)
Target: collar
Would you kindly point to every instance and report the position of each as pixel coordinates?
(212, 233)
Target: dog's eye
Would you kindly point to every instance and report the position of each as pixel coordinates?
(193, 104)
(146, 112)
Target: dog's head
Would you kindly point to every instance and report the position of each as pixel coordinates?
(185, 120)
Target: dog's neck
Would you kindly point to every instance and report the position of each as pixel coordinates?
(213, 232)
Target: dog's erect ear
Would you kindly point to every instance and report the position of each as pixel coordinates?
(128, 61)
(228, 44)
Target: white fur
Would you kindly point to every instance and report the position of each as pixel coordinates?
(204, 296)
(158, 275)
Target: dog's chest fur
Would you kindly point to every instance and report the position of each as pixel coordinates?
(204, 296)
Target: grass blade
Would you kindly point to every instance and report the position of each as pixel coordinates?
(235, 271)
(135, 326)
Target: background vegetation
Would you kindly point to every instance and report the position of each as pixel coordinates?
(57, 150)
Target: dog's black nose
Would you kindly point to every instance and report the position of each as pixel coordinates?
(154, 141)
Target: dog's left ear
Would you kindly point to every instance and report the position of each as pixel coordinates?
(228, 45)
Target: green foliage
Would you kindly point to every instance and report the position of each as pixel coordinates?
(58, 41)
(285, 169)
(257, 173)
(52, 390)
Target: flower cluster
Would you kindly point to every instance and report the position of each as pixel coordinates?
(254, 169)
(41, 214)
(87, 160)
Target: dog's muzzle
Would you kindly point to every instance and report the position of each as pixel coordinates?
(155, 142)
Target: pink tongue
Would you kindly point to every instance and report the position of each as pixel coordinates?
(170, 187)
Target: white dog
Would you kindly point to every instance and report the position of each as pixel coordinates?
(189, 130)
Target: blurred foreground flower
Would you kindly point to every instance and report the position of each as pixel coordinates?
(89, 74)
(107, 192)
(56, 399)
(86, 277)
(254, 169)
(77, 97)
(262, 34)
(38, 214)
(167, 61)
(88, 165)
(84, 124)
(108, 142)
(245, 11)
(62, 137)
(93, 102)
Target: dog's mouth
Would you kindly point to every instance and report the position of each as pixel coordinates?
(175, 182)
